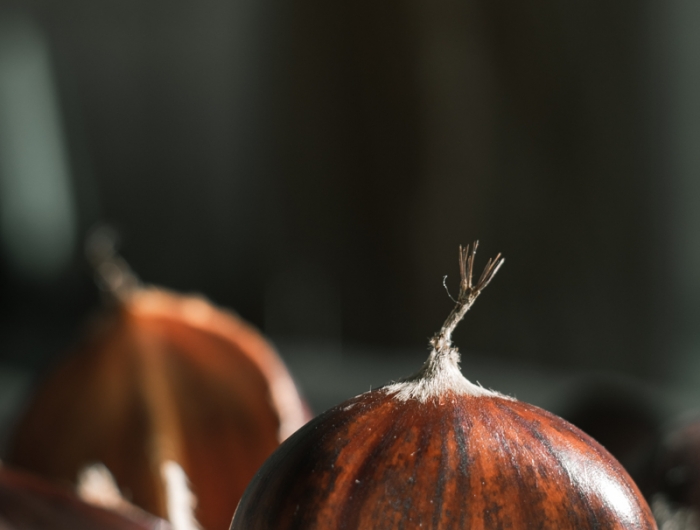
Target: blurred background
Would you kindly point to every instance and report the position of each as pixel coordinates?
(315, 165)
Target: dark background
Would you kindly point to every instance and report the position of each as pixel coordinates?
(315, 165)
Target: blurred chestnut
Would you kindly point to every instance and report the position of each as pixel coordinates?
(28, 503)
(169, 392)
(675, 493)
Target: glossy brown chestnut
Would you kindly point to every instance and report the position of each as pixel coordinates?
(435, 451)
(164, 378)
(28, 503)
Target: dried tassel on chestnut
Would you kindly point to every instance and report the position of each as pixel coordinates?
(436, 451)
(170, 393)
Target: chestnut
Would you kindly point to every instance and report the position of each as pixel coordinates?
(29, 503)
(178, 398)
(436, 451)
(675, 492)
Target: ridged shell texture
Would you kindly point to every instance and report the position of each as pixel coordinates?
(456, 462)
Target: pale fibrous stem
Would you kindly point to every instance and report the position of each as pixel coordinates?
(468, 293)
(440, 374)
(112, 273)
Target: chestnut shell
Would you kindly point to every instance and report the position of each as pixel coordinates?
(450, 462)
(163, 376)
(28, 503)
(677, 474)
